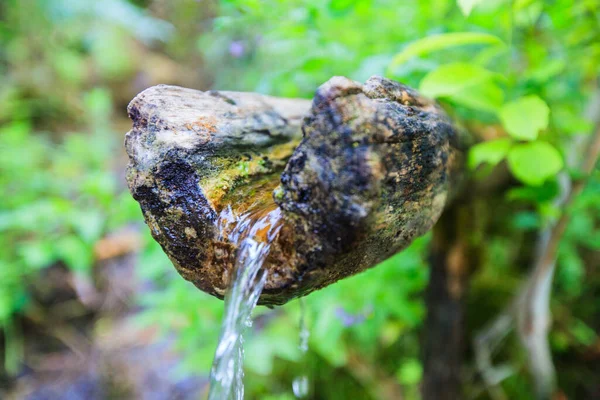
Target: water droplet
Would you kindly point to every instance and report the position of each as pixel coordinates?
(300, 383)
(300, 386)
(304, 332)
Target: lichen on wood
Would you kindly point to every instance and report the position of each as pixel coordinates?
(357, 175)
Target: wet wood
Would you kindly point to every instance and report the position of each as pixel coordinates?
(357, 175)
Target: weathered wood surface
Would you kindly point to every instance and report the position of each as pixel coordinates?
(357, 176)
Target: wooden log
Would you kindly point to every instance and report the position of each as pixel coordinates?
(356, 176)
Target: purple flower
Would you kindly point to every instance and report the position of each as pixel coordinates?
(236, 49)
(351, 319)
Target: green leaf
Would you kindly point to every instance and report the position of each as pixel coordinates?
(486, 96)
(279, 339)
(410, 372)
(111, 51)
(571, 274)
(526, 220)
(450, 79)
(439, 42)
(491, 152)
(547, 70)
(37, 253)
(540, 194)
(521, 4)
(525, 117)
(340, 8)
(326, 336)
(568, 120)
(466, 6)
(259, 356)
(75, 253)
(69, 66)
(464, 84)
(560, 341)
(582, 332)
(88, 224)
(533, 163)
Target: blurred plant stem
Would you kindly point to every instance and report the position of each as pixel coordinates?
(530, 309)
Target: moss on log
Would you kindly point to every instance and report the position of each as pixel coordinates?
(357, 176)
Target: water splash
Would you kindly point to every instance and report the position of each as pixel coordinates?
(300, 383)
(253, 233)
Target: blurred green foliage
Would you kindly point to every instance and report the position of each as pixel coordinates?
(58, 200)
(525, 70)
(60, 190)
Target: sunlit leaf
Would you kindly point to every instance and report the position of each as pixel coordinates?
(486, 96)
(435, 43)
(465, 84)
(466, 6)
(450, 79)
(410, 372)
(547, 70)
(37, 253)
(520, 4)
(569, 120)
(533, 163)
(339, 8)
(491, 152)
(524, 118)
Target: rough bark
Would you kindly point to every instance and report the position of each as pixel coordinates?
(373, 170)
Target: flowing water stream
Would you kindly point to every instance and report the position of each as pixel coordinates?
(253, 233)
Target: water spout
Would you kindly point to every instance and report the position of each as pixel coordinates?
(356, 176)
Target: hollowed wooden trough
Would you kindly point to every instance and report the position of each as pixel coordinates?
(357, 174)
